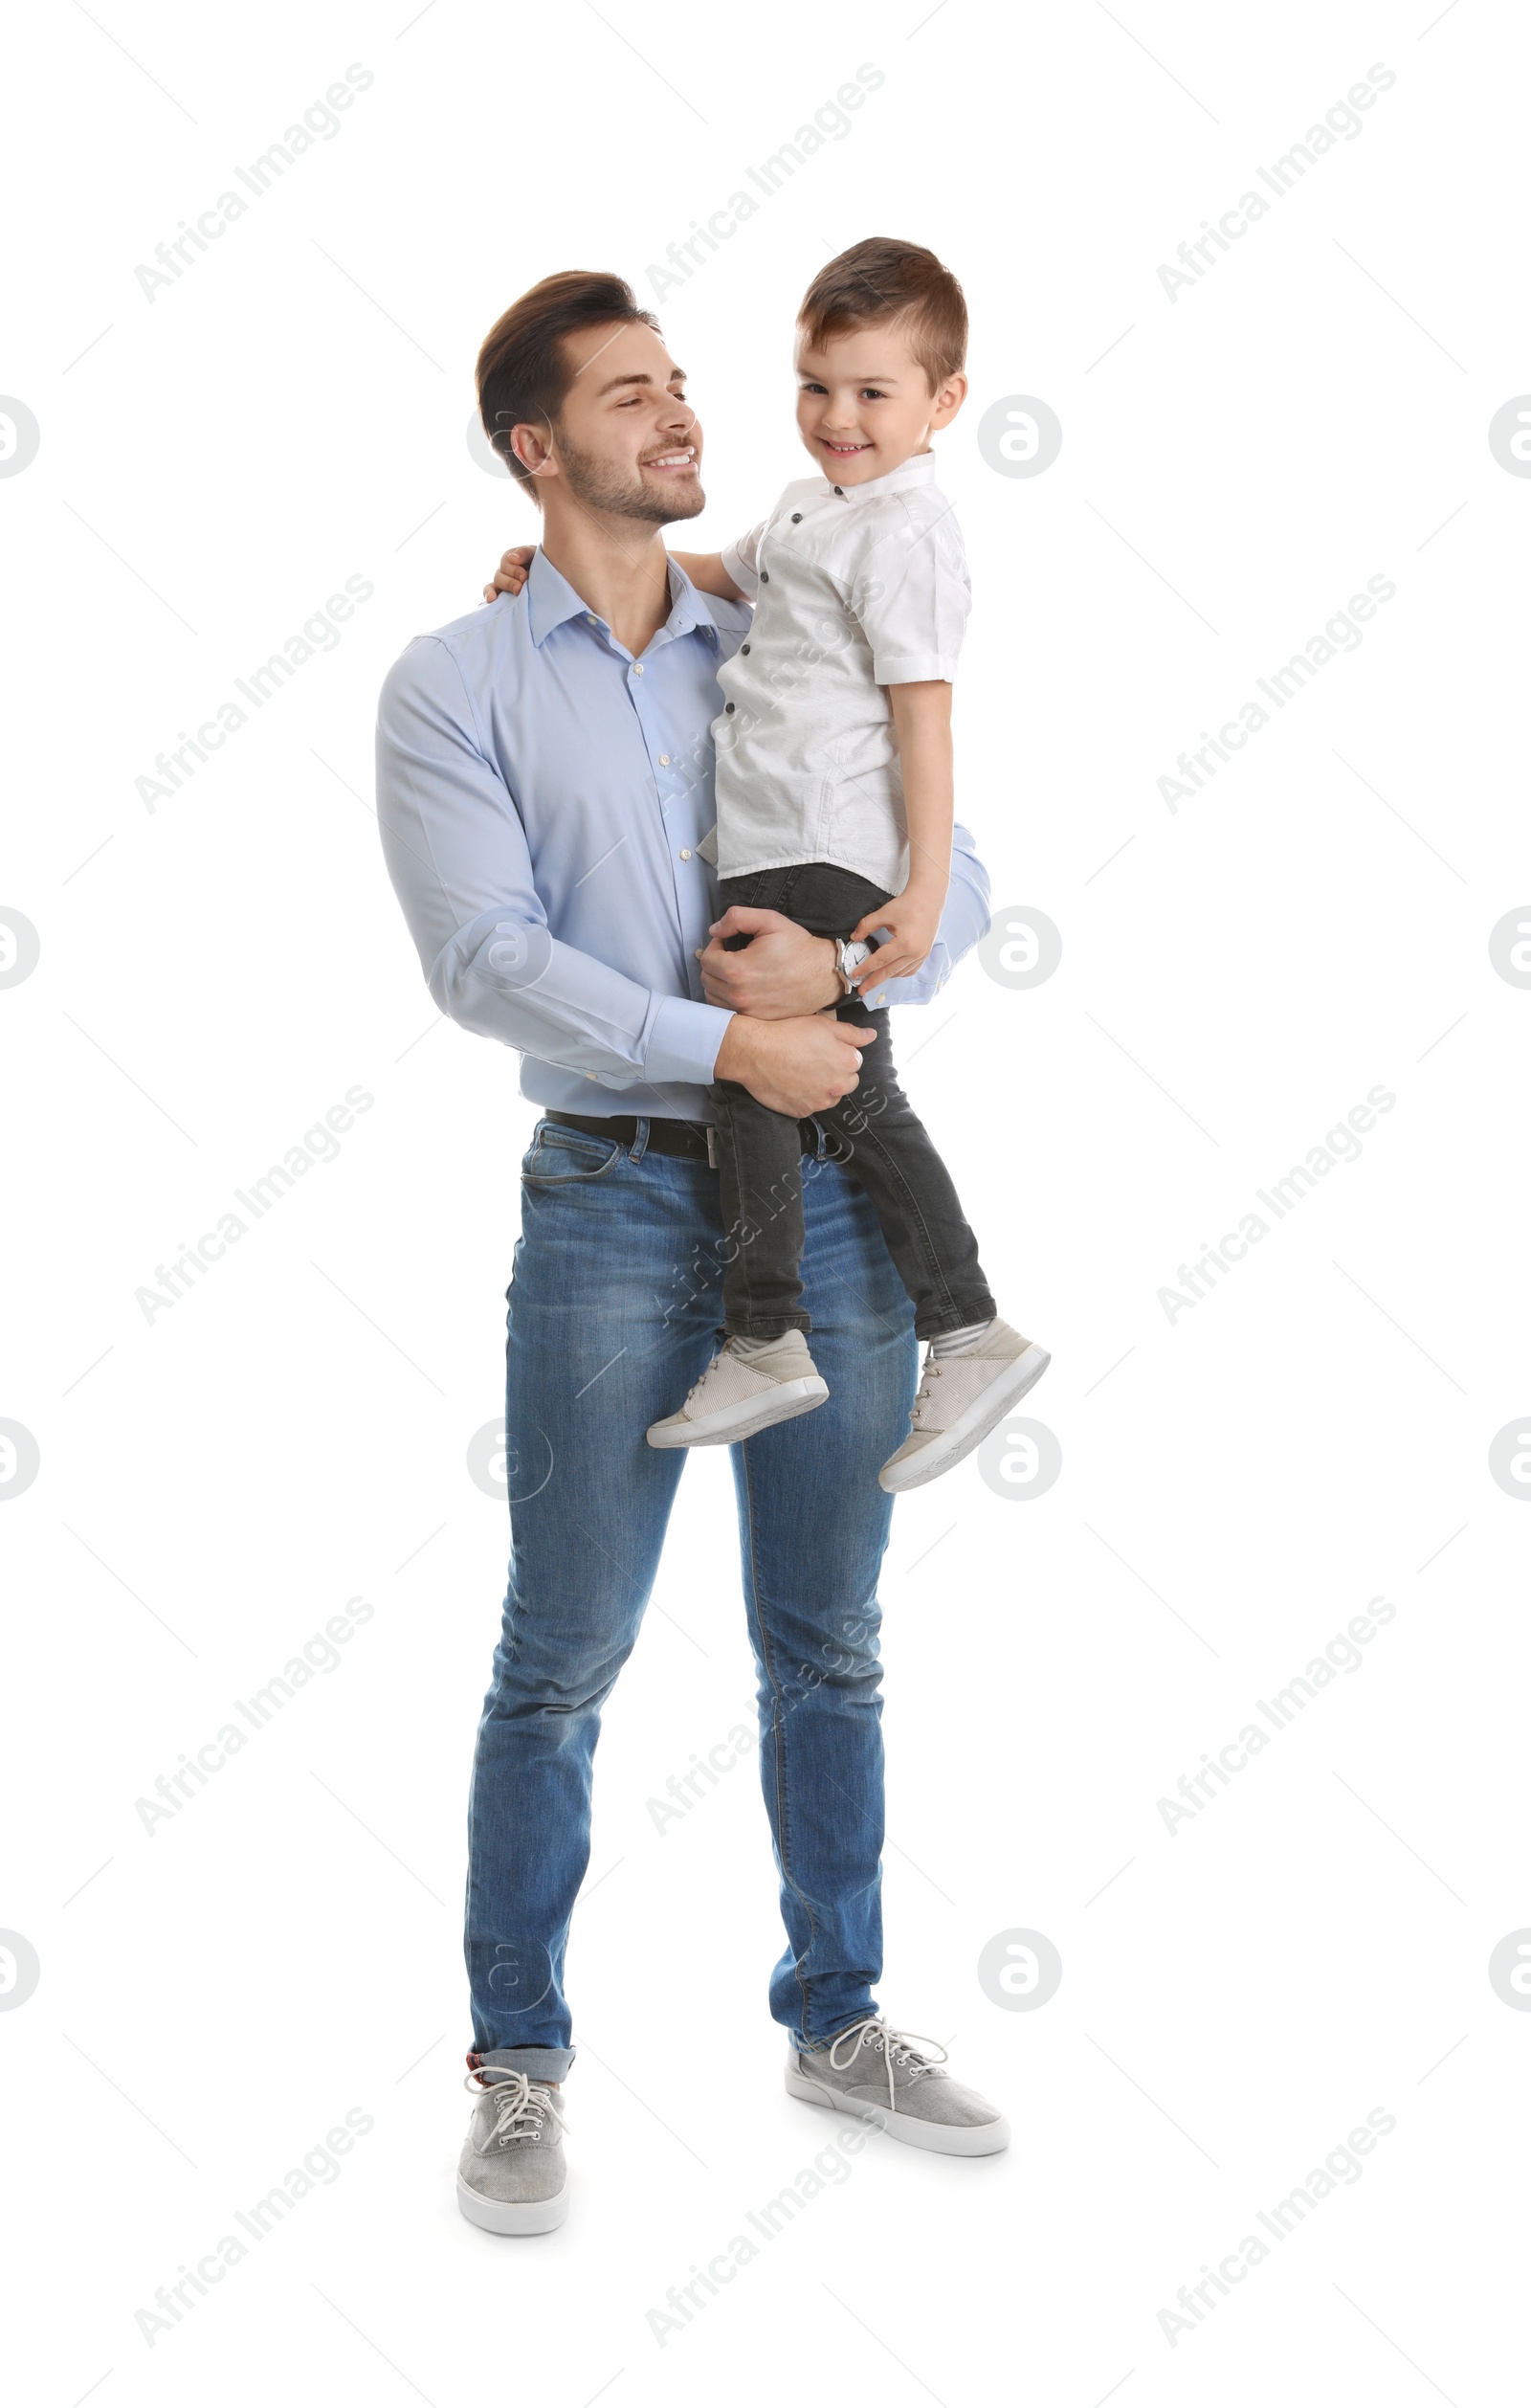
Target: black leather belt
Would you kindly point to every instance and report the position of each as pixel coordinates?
(686, 1138)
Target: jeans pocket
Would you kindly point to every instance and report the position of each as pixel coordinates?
(760, 890)
(568, 1158)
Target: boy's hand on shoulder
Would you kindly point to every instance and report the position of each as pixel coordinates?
(912, 919)
(512, 573)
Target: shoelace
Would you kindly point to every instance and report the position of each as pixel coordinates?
(897, 2048)
(925, 1395)
(707, 1373)
(696, 1385)
(521, 2106)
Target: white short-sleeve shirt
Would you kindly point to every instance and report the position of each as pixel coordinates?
(855, 588)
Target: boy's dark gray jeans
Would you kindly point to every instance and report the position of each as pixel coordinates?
(873, 1131)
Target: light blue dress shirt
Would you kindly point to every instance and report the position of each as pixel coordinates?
(540, 794)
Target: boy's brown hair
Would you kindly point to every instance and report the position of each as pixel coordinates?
(525, 372)
(879, 281)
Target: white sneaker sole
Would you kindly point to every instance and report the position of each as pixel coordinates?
(948, 2140)
(512, 2215)
(742, 1421)
(970, 1429)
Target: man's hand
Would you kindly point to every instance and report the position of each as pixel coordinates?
(781, 972)
(914, 917)
(511, 574)
(793, 1066)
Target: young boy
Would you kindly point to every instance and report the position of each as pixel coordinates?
(834, 808)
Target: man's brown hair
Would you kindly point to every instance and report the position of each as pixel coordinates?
(525, 372)
(880, 282)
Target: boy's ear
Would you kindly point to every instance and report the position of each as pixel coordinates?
(950, 394)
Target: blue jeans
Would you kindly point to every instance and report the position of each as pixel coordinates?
(614, 1308)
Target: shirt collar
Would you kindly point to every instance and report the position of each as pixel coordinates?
(920, 469)
(689, 606)
(550, 600)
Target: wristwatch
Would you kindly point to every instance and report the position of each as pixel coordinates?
(849, 956)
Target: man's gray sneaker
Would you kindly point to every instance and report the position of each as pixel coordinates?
(511, 2176)
(874, 2072)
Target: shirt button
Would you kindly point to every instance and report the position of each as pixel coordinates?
(744, 648)
(796, 517)
(637, 668)
(729, 706)
(685, 853)
(840, 490)
(589, 621)
(664, 760)
(765, 577)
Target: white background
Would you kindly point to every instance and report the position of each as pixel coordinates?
(1237, 1482)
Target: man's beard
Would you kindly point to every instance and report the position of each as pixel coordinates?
(603, 486)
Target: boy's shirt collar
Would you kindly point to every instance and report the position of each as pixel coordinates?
(920, 469)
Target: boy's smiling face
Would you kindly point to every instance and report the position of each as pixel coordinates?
(864, 403)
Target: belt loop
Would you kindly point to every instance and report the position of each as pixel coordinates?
(640, 1141)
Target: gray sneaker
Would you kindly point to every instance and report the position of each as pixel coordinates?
(511, 2176)
(874, 2072)
(738, 1395)
(959, 1401)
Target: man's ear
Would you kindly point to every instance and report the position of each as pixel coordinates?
(532, 443)
(950, 394)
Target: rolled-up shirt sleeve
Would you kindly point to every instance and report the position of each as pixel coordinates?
(458, 857)
(912, 595)
(963, 923)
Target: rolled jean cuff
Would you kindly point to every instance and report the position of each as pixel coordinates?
(537, 2065)
(934, 1321)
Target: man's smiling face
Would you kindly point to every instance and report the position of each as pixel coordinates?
(626, 441)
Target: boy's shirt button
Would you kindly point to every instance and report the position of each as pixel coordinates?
(729, 706)
(765, 577)
(744, 648)
(797, 517)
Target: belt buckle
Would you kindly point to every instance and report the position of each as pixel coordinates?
(712, 1146)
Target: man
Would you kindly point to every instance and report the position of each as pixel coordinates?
(545, 783)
